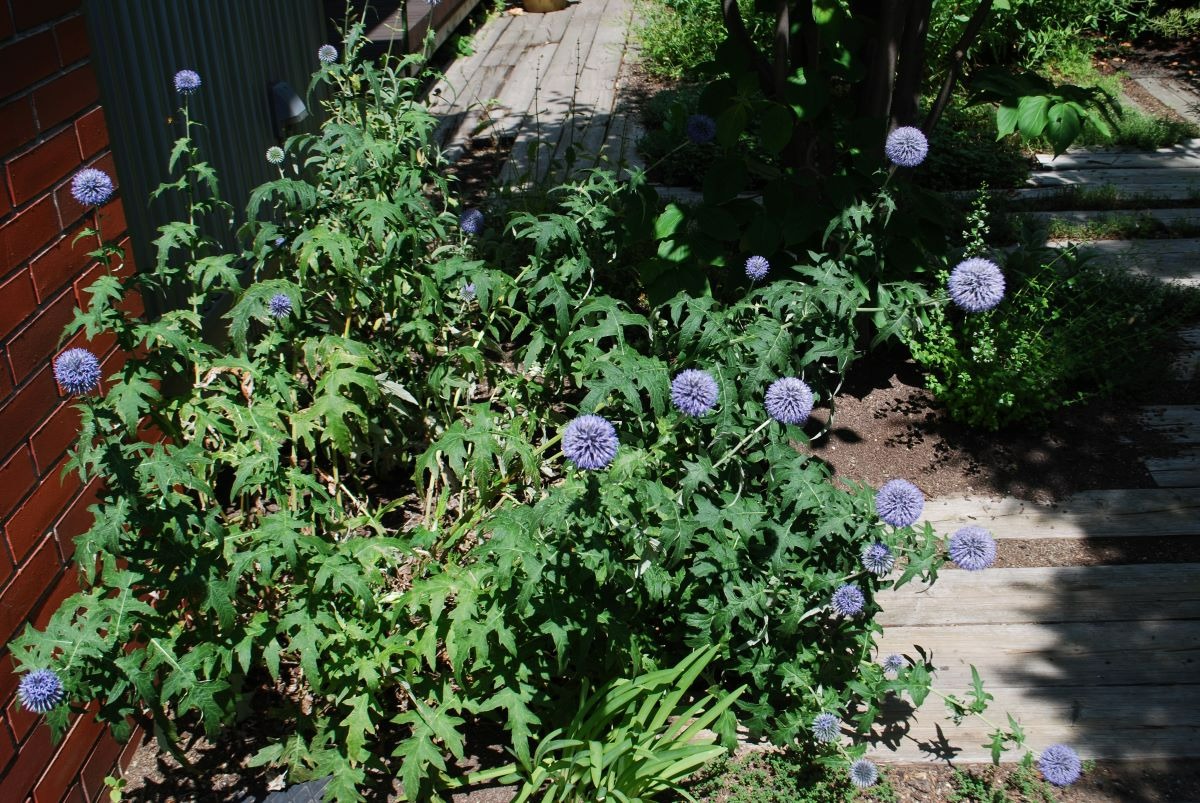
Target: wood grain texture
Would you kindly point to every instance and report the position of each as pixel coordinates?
(1177, 423)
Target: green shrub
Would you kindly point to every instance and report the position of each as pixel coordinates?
(677, 36)
(964, 152)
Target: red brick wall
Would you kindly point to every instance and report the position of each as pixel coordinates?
(51, 125)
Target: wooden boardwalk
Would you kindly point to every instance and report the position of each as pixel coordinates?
(545, 84)
(1104, 658)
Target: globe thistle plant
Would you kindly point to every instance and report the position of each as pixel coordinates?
(906, 146)
(468, 292)
(275, 155)
(899, 503)
(187, 82)
(789, 400)
(590, 442)
(826, 727)
(757, 268)
(40, 690)
(91, 187)
(848, 600)
(863, 773)
(327, 54)
(471, 221)
(972, 548)
(976, 284)
(893, 663)
(701, 129)
(1060, 765)
(77, 371)
(694, 392)
(878, 559)
(280, 305)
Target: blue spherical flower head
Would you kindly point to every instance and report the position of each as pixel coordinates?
(757, 267)
(468, 292)
(327, 54)
(40, 690)
(280, 305)
(899, 503)
(77, 371)
(694, 392)
(976, 284)
(826, 727)
(906, 146)
(91, 187)
(878, 559)
(972, 548)
(590, 442)
(1060, 765)
(187, 82)
(893, 663)
(275, 155)
(701, 129)
(789, 400)
(848, 600)
(471, 221)
(863, 774)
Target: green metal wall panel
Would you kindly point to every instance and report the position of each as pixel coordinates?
(238, 47)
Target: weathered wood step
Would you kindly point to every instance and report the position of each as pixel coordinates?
(1181, 470)
(1174, 260)
(1184, 192)
(1089, 514)
(1064, 654)
(1134, 593)
(1176, 423)
(1173, 94)
(1185, 154)
(1124, 177)
(1109, 722)
(1167, 217)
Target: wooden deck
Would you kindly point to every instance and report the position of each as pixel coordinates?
(1103, 658)
(546, 84)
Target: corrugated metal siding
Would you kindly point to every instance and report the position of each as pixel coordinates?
(238, 47)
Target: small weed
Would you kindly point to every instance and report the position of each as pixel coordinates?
(785, 777)
(994, 785)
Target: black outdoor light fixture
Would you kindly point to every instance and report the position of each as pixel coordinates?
(287, 108)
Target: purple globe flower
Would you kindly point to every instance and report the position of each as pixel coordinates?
(906, 146)
(187, 82)
(899, 503)
(878, 559)
(826, 727)
(40, 690)
(275, 155)
(327, 54)
(1060, 765)
(590, 442)
(757, 267)
(863, 774)
(468, 292)
(471, 221)
(280, 305)
(976, 284)
(893, 663)
(789, 400)
(701, 129)
(694, 392)
(848, 600)
(91, 187)
(77, 371)
(972, 548)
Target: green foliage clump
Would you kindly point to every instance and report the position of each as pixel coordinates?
(787, 776)
(964, 152)
(1060, 337)
(1020, 785)
(677, 36)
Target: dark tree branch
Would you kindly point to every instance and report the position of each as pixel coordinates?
(783, 47)
(959, 55)
(875, 98)
(736, 29)
(907, 93)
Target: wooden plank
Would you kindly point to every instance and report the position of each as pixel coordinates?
(1090, 514)
(1109, 722)
(1168, 217)
(1177, 423)
(1139, 593)
(1167, 191)
(1173, 260)
(1172, 94)
(1181, 155)
(1063, 654)
(598, 84)
(1145, 180)
(1178, 471)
